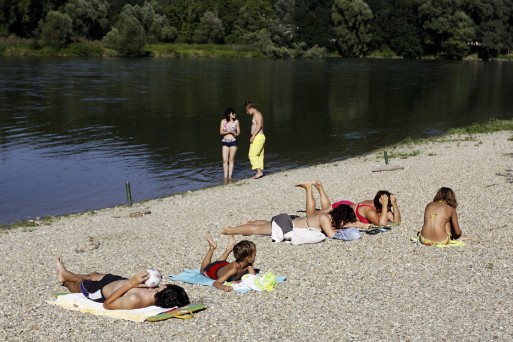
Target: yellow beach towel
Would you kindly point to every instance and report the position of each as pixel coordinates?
(78, 302)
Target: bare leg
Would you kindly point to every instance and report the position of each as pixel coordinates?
(226, 151)
(231, 160)
(310, 200)
(71, 280)
(325, 201)
(229, 249)
(212, 245)
(260, 227)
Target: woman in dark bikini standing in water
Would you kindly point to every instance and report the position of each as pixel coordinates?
(230, 130)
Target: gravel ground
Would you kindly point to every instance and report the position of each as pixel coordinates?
(380, 287)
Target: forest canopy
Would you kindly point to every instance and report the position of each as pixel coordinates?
(450, 29)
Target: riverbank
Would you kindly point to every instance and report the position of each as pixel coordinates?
(20, 47)
(380, 287)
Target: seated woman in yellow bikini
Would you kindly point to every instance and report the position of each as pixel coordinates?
(441, 227)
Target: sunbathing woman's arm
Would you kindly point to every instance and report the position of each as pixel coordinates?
(395, 208)
(378, 219)
(455, 226)
(356, 224)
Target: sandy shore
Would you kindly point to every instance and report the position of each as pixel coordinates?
(380, 287)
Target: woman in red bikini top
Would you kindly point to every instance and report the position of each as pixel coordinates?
(367, 212)
(372, 211)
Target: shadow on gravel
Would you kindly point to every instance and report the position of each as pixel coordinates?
(508, 173)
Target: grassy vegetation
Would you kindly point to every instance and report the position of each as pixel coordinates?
(403, 155)
(28, 225)
(385, 53)
(19, 47)
(460, 134)
(202, 50)
(490, 126)
(508, 57)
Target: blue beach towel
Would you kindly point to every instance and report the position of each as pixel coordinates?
(190, 276)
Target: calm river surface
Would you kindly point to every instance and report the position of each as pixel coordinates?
(73, 130)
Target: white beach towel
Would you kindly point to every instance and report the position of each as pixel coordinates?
(78, 302)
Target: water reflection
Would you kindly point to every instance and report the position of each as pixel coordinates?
(72, 131)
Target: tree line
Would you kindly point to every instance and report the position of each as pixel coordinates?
(450, 29)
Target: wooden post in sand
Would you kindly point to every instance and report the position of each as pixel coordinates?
(128, 193)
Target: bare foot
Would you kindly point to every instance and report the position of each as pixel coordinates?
(317, 184)
(305, 185)
(60, 270)
(211, 241)
(226, 230)
(231, 243)
(465, 238)
(258, 175)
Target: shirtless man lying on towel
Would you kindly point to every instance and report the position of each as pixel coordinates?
(118, 293)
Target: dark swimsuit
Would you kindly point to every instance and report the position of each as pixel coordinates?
(92, 289)
(229, 142)
(214, 267)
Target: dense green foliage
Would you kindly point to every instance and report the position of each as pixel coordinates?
(449, 29)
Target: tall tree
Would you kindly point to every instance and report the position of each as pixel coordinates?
(56, 30)
(128, 36)
(493, 31)
(283, 26)
(313, 22)
(396, 26)
(90, 17)
(228, 12)
(22, 17)
(351, 25)
(448, 29)
(210, 29)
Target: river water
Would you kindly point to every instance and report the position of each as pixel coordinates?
(73, 131)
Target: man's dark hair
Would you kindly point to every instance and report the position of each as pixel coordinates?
(341, 215)
(171, 296)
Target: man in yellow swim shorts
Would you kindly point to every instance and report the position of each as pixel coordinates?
(257, 140)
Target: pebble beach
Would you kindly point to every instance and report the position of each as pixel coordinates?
(381, 287)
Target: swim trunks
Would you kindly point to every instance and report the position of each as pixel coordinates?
(92, 289)
(229, 142)
(214, 267)
(281, 225)
(256, 152)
